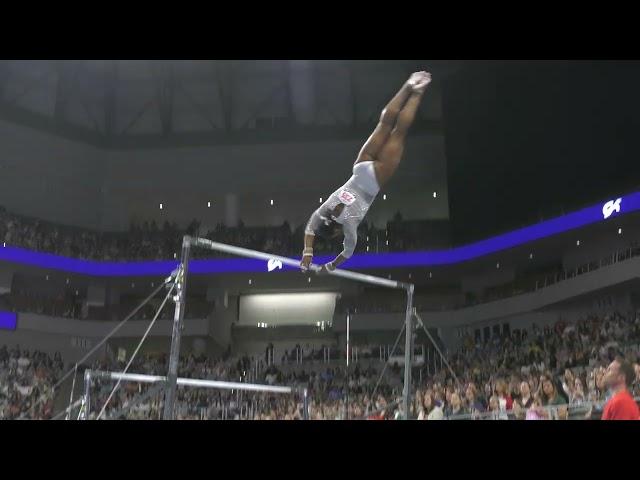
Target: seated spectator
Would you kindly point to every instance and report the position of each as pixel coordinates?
(524, 402)
(504, 398)
(455, 408)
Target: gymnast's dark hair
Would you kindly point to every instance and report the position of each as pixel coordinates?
(329, 231)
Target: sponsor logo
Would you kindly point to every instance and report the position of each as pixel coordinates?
(610, 207)
(273, 264)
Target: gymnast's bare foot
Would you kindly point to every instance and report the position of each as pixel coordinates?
(421, 83)
(415, 78)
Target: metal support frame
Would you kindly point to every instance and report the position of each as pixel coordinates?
(305, 404)
(359, 277)
(165, 94)
(73, 390)
(443, 357)
(346, 409)
(176, 335)
(355, 110)
(110, 99)
(86, 403)
(4, 77)
(65, 87)
(408, 352)
(224, 78)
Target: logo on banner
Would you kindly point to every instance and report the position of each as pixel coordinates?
(346, 197)
(610, 207)
(273, 264)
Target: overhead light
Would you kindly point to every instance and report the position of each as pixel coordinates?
(498, 265)
(208, 204)
(530, 256)
(272, 201)
(619, 231)
(435, 194)
(367, 248)
(387, 243)
(175, 255)
(160, 206)
(430, 275)
(67, 281)
(320, 199)
(76, 293)
(384, 197)
(47, 277)
(309, 280)
(249, 281)
(578, 243)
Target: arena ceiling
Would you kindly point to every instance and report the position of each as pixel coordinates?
(152, 103)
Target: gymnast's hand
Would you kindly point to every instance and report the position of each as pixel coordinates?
(326, 268)
(305, 263)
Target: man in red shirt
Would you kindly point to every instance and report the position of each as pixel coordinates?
(618, 379)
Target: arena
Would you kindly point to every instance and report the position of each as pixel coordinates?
(319, 240)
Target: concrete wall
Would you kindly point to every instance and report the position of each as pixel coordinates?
(74, 338)
(68, 182)
(45, 176)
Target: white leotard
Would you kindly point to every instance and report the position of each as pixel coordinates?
(357, 194)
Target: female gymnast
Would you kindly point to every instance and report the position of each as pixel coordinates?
(377, 161)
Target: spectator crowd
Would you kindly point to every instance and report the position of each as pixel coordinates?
(541, 373)
(522, 374)
(149, 241)
(325, 386)
(554, 372)
(26, 383)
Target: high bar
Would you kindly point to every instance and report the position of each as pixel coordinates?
(245, 252)
(190, 382)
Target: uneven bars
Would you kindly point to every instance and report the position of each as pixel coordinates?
(244, 252)
(191, 382)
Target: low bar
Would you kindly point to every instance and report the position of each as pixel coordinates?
(245, 252)
(191, 382)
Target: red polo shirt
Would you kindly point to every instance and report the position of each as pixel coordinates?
(621, 407)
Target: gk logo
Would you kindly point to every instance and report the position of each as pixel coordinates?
(273, 264)
(610, 207)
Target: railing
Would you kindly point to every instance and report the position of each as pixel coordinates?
(332, 355)
(549, 280)
(581, 411)
(524, 285)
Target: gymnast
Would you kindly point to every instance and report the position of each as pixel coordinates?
(377, 161)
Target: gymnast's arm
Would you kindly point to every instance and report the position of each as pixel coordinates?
(309, 236)
(350, 242)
